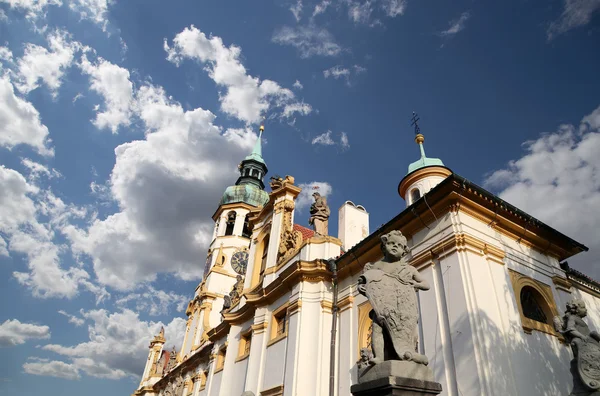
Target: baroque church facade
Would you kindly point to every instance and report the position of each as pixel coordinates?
(278, 311)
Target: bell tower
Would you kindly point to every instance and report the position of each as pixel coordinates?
(227, 256)
(423, 174)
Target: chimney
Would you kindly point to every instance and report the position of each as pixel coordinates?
(353, 224)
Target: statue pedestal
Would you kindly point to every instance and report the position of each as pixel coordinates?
(397, 378)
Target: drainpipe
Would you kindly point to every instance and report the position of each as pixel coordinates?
(334, 281)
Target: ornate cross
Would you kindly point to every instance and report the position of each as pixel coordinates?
(415, 119)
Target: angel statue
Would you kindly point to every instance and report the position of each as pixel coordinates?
(585, 344)
(319, 214)
(390, 285)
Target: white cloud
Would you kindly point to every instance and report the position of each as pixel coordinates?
(456, 25)
(299, 107)
(94, 10)
(37, 170)
(22, 203)
(576, 13)
(324, 139)
(360, 13)
(72, 318)
(246, 97)
(32, 8)
(52, 369)
(341, 72)
(13, 332)
(298, 85)
(558, 182)
(155, 302)
(39, 63)
(393, 8)
(305, 198)
(20, 121)
(3, 16)
(118, 343)
(344, 141)
(321, 7)
(336, 72)
(296, 9)
(167, 186)
(113, 83)
(308, 40)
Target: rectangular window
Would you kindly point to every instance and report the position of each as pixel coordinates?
(245, 343)
(221, 358)
(279, 324)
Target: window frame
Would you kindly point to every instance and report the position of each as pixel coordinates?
(278, 316)
(221, 355)
(245, 344)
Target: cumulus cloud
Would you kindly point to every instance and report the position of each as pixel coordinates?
(53, 368)
(167, 186)
(154, 301)
(13, 332)
(94, 10)
(113, 84)
(246, 97)
(22, 204)
(308, 40)
(20, 121)
(118, 343)
(33, 9)
(298, 85)
(305, 198)
(557, 181)
(576, 13)
(46, 65)
(456, 25)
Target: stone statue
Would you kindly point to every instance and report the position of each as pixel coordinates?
(390, 286)
(172, 359)
(585, 344)
(319, 214)
(365, 359)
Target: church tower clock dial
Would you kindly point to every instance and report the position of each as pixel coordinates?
(239, 261)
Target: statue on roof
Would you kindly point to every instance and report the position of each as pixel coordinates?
(390, 285)
(319, 214)
(585, 344)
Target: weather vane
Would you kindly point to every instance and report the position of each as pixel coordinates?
(415, 122)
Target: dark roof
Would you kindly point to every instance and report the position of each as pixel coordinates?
(502, 205)
(580, 277)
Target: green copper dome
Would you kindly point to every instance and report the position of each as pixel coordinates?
(249, 187)
(423, 161)
(247, 193)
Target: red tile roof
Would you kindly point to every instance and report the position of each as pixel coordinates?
(306, 232)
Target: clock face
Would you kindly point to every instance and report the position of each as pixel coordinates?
(239, 262)
(207, 266)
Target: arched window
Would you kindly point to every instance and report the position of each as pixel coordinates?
(415, 194)
(247, 172)
(247, 231)
(533, 305)
(254, 173)
(230, 223)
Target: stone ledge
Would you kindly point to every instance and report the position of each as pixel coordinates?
(396, 386)
(396, 368)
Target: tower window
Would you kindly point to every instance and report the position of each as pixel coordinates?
(230, 223)
(254, 173)
(247, 231)
(247, 172)
(415, 195)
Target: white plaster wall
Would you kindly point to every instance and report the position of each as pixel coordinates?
(353, 225)
(424, 185)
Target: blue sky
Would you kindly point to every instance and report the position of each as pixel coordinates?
(121, 124)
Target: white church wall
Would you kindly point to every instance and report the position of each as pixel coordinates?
(346, 344)
(189, 336)
(274, 361)
(234, 371)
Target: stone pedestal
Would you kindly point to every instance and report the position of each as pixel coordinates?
(397, 378)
